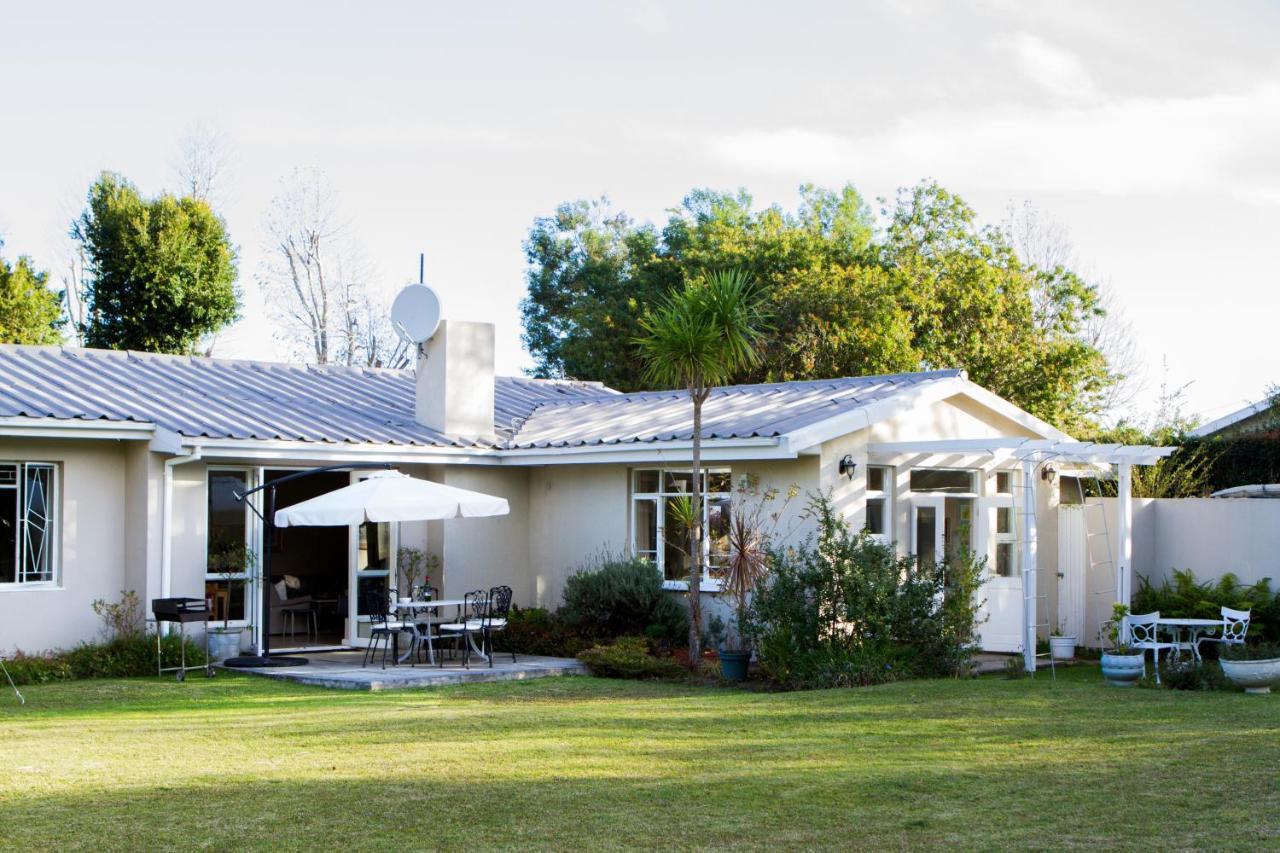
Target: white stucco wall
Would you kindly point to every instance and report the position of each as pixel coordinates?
(91, 546)
(480, 553)
(576, 512)
(1210, 536)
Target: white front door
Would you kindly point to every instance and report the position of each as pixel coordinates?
(928, 527)
(996, 539)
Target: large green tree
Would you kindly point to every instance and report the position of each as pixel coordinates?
(161, 271)
(929, 288)
(30, 313)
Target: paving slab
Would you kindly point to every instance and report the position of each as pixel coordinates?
(342, 670)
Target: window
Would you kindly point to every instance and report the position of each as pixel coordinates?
(1004, 482)
(226, 580)
(1005, 538)
(878, 521)
(660, 504)
(373, 562)
(28, 509)
(945, 480)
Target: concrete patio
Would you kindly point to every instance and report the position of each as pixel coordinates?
(342, 670)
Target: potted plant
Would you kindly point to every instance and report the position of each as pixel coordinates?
(747, 534)
(1122, 666)
(413, 562)
(1253, 666)
(229, 562)
(1062, 645)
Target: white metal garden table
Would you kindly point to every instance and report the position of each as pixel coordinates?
(1186, 631)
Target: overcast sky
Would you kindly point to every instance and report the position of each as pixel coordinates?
(1150, 130)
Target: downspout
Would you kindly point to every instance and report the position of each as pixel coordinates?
(166, 522)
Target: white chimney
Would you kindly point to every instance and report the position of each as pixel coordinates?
(455, 379)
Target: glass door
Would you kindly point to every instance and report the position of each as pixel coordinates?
(928, 528)
(372, 549)
(996, 539)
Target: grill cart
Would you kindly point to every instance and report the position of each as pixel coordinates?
(181, 611)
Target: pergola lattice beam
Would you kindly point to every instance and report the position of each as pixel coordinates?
(1084, 452)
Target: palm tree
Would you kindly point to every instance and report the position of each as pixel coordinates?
(701, 336)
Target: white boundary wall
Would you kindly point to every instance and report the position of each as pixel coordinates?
(1210, 536)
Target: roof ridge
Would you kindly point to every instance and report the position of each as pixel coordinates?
(193, 358)
(949, 373)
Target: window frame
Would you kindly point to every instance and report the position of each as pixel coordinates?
(251, 540)
(973, 482)
(709, 583)
(884, 496)
(53, 531)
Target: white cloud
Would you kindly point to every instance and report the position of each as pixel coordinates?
(1136, 145)
(1053, 68)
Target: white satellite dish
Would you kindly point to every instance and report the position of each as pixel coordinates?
(415, 313)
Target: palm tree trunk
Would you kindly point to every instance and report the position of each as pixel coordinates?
(695, 537)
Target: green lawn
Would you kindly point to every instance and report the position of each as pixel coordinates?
(577, 762)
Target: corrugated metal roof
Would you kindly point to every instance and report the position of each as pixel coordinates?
(222, 398)
(739, 411)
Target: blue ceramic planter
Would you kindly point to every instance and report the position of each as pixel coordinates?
(1122, 670)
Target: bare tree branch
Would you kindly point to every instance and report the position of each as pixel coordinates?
(203, 163)
(319, 284)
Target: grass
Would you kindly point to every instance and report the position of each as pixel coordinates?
(242, 763)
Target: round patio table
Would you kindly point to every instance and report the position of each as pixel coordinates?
(412, 607)
(1189, 628)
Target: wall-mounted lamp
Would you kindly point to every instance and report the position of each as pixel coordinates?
(1049, 474)
(847, 466)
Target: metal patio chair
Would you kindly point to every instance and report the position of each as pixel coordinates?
(474, 605)
(1142, 633)
(383, 626)
(1235, 627)
(494, 618)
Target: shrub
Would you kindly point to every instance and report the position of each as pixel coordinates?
(1185, 597)
(120, 619)
(1015, 667)
(843, 609)
(1189, 675)
(629, 657)
(537, 631)
(620, 596)
(123, 657)
(1251, 651)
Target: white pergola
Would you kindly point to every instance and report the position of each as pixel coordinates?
(1032, 453)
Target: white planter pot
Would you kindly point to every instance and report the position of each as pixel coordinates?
(224, 643)
(1062, 648)
(1255, 676)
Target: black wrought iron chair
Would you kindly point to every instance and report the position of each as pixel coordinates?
(383, 626)
(474, 605)
(494, 618)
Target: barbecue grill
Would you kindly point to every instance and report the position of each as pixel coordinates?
(181, 611)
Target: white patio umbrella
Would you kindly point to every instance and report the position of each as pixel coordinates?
(390, 496)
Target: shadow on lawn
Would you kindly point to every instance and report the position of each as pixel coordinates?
(767, 807)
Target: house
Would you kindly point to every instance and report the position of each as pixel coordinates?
(1262, 416)
(120, 470)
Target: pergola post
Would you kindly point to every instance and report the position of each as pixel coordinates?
(1124, 532)
(1028, 565)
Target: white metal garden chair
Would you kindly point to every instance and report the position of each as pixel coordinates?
(1142, 633)
(1235, 626)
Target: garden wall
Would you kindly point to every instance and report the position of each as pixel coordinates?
(1210, 536)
